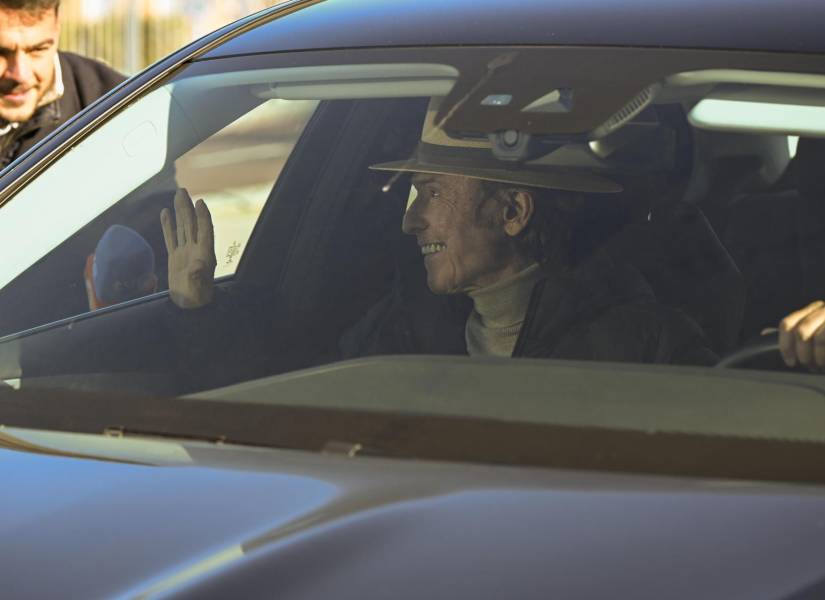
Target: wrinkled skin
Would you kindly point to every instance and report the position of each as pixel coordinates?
(28, 45)
(802, 337)
(473, 235)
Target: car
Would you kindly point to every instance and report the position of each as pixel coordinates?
(365, 367)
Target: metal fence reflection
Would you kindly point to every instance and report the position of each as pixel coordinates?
(131, 34)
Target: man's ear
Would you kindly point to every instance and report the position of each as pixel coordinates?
(517, 211)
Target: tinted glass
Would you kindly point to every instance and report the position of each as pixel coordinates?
(643, 208)
(235, 169)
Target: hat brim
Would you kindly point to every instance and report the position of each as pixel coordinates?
(555, 179)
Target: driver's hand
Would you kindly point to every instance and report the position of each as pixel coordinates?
(802, 337)
(191, 249)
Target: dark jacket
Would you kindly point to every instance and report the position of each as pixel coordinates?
(84, 81)
(603, 310)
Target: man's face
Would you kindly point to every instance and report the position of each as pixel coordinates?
(464, 249)
(28, 43)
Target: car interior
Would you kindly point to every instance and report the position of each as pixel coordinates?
(720, 211)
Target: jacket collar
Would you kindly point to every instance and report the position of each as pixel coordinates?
(564, 301)
(58, 88)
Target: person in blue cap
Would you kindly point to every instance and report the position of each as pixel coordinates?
(122, 268)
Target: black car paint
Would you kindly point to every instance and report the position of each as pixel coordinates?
(794, 26)
(230, 522)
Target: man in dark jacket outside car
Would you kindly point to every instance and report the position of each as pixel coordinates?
(40, 88)
(494, 244)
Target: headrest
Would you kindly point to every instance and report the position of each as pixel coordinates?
(737, 162)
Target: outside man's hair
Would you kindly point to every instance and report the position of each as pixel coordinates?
(547, 237)
(30, 6)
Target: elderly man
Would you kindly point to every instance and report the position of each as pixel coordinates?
(495, 254)
(40, 88)
(494, 239)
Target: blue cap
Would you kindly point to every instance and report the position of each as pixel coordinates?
(124, 265)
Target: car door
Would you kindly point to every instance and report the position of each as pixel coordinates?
(297, 214)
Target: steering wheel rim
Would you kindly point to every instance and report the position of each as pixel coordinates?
(767, 345)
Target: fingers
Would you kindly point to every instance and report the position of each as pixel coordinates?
(801, 333)
(806, 335)
(819, 348)
(206, 231)
(185, 217)
(169, 237)
(787, 332)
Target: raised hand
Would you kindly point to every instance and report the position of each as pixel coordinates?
(190, 244)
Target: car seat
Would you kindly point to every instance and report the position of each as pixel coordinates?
(688, 268)
(778, 240)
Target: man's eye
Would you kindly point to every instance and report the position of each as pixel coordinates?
(434, 194)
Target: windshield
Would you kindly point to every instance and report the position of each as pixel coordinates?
(563, 236)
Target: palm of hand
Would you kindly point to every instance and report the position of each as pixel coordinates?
(191, 249)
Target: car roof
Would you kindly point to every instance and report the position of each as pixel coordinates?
(790, 26)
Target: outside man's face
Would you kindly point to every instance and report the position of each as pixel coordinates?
(463, 248)
(28, 43)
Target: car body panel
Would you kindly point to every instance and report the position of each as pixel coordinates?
(250, 522)
(760, 25)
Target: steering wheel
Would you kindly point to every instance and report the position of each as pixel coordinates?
(762, 353)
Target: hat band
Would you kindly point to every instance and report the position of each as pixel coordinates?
(462, 157)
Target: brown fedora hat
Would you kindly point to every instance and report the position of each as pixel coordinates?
(440, 153)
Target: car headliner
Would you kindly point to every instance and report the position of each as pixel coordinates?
(793, 26)
(603, 80)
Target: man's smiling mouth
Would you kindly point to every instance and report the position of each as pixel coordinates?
(434, 248)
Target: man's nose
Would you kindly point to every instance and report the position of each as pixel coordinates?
(413, 222)
(18, 67)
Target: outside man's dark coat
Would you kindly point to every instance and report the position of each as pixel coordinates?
(84, 80)
(603, 311)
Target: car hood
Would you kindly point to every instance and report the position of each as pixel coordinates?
(200, 520)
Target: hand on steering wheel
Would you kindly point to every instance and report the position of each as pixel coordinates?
(802, 337)
(799, 341)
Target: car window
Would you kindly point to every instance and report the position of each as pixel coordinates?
(235, 169)
(661, 209)
(148, 151)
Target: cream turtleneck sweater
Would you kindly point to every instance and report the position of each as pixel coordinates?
(498, 313)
